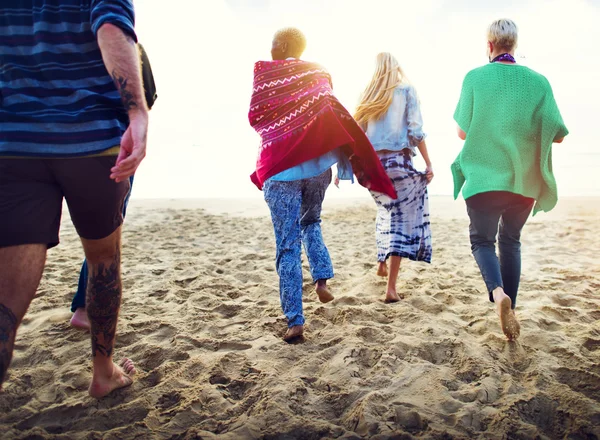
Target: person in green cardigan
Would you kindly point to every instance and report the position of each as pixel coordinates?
(509, 120)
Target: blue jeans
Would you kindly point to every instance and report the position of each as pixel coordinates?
(296, 214)
(504, 214)
(79, 298)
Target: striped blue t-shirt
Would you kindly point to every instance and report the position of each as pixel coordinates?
(56, 97)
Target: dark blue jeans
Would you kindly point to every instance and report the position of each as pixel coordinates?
(79, 299)
(502, 214)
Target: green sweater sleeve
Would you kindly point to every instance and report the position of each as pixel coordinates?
(552, 128)
(561, 128)
(464, 109)
(463, 116)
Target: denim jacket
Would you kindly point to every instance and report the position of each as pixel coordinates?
(402, 125)
(314, 167)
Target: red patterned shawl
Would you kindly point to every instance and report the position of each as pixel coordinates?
(298, 118)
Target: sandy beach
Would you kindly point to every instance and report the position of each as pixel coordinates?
(201, 319)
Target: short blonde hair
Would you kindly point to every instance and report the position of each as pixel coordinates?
(503, 34)
(293, 37)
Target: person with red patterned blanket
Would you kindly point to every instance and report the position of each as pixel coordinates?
(304, 131)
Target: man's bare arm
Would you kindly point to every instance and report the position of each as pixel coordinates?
(121, 58)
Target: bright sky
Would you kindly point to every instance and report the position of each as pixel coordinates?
(203, 52)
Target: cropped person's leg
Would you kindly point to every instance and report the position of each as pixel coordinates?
(21, 269)
(509, 245)
(284, 200)
(383, 222)
(96, 204)
(30, 209)
(319, 260)
(484, 212)
(483, 229)
(382, 233)
(103, 298)
(80, 318)
(392, 295)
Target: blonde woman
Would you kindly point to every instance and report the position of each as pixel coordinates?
(509, 120)
(390, 115)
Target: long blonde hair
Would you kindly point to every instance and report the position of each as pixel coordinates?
(377, 97)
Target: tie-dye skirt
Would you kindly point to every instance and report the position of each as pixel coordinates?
(403, 228)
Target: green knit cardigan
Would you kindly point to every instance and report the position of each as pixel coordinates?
(510, 117)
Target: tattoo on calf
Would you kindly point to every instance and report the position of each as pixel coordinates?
(8, 328)
(103, 299)
(126, 96)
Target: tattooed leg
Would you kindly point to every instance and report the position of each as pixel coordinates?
(21, 269)
(8, 329)
(103, 299)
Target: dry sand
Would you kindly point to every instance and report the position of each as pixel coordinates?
(201, 318)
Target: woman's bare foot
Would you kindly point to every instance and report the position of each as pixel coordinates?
(294, 333)
(382, 270)
(120, 377)
(323, 292)
(80, 319)
(391, 296)
(508, 320)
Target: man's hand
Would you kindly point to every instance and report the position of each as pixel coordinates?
(429, 173)
(336, 181)
(133, 148)
(122, 59)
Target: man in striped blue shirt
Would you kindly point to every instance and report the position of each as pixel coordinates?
(73, 126)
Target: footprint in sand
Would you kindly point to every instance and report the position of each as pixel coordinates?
(541, 412)
(348, 301)
(548, 325)
(168, 400)
(233, 346)
(228, 310)
(374, 336)
(592, 344)
(562, 314)
(65, 418)
(237, 389)
(580, 381)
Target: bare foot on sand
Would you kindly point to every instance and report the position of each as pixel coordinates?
(324, 294)
(392, 296)
(294, 333)
(80, 319)
(508, 320)
(121, 377)
(382, 270)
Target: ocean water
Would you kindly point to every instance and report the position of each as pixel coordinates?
(195, 171)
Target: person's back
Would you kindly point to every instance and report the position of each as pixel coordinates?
(56, 95)
(400, 126)
(512, 119)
